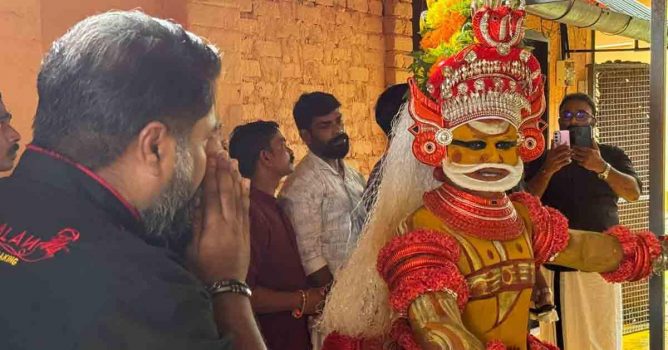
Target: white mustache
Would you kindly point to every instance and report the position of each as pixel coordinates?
(470, 168)
(457, 173)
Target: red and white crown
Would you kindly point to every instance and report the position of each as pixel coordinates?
(491, 79)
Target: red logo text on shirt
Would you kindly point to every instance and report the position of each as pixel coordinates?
(23, 246)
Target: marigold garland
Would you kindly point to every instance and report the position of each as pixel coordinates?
(451, 25)
(446, 29)
(440, 12)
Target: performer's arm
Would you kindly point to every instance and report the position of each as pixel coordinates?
(618, 254)
(590, 252)
(437, 324)
(427, 287)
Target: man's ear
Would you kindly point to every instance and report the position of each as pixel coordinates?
(155, 147)
(264, 157)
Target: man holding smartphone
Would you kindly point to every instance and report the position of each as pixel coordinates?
(584, 180)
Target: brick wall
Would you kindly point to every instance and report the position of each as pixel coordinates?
(20, 35)
(276, 50)
(27, 30)
(273, 51)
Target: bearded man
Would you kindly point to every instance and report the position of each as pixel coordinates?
(323, 196)
(447, 259)
(124, 135)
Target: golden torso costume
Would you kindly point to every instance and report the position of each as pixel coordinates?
(500, 276)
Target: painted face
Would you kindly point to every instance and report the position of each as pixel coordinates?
(483, 156)
(474, 143)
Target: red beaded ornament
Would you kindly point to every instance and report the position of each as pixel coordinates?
(549, 227)
(403, 335)
(427, 150)
(418, 262)
(536, 344)
(640, 250)
(495, 345)
(337, 341)
(533, 144)
(490, 219)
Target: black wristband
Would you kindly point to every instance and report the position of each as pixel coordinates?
(229, 286)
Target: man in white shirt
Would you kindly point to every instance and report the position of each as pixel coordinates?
(323, 196)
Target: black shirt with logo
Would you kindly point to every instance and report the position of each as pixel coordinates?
(77, 273)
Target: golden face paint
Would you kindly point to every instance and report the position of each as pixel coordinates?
(490, 153)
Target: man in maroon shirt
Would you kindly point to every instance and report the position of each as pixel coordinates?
(281, 295)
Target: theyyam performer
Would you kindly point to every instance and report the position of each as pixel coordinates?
(447, 260)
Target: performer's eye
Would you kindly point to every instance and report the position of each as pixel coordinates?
(506, 145)
(473, 145)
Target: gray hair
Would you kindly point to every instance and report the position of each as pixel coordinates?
(113, 73)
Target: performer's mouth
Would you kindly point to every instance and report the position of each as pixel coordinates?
(489, 174)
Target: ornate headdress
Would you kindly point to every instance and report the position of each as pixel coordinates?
(494, 78)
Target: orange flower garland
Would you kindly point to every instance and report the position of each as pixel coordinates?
(444, 32)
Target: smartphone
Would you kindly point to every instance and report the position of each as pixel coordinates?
(582, 136)
(562, 137)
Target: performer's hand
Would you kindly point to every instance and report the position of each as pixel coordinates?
(541, 296)
(556, 158)
(220, 248)
(589, 158)
(435, 315)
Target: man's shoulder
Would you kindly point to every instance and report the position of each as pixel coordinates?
(259, 211)
(357, 175)
(613, 154)
(302, 181)
(422, 218)
(612, 149)
(59, 231)
(122, 278)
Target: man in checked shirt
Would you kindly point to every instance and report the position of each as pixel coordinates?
(323, 196)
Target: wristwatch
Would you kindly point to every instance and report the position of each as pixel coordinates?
(604, 174)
